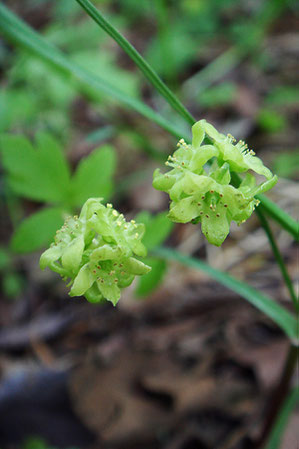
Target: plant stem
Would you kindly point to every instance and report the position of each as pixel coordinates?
(145, 68)
(279, 395)
(279, 215)
(278, 257)
(280, 315)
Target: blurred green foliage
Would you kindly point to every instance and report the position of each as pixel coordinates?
(220, 95)
(42, 173)
(38, 97)
(12, 282)
(35, 442)
(157, 229)
(287, 164)
(271, 121)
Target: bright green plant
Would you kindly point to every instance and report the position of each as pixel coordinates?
(41, 173)
(206, 194)
(97, 252)
(224, 177)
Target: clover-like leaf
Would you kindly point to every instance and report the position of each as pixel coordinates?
(40, 173)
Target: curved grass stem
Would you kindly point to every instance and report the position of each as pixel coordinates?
(143, 65)
(278, 257)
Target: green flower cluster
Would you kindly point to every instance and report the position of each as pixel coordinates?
(97, 252)
(202, 193)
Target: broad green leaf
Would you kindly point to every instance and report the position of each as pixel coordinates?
(157, 228)
(54, 164)
(93, 177)
(37, 230)
(40, 174)
(148, 282)
(282, 317)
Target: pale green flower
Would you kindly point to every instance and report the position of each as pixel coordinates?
(96, 251)
(204, 194)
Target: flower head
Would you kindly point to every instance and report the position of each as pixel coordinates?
(97, 252)
(205, 194)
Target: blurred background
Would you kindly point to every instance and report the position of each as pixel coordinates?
(181, 362)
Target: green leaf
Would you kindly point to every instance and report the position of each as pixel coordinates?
(282, 317)
(93, 177)
(40, 174)
(54, 165)
(150, 281)
(37, 230)
(157, 228)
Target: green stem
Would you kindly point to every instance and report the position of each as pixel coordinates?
(131, 51)
(279, 215)
(278, 257)
(282, 317)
